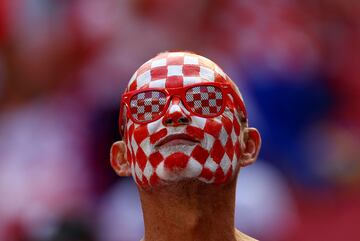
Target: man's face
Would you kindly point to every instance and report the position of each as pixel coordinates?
(181, 145)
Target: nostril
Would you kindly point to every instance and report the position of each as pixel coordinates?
(183, 120)
(168, 121)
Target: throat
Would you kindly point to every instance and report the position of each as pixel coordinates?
(189, 211)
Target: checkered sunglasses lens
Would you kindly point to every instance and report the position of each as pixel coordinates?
(204, 100)
(147, 105)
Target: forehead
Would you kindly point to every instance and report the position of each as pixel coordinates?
(176, 69)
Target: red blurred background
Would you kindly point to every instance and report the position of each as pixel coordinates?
(64, 65)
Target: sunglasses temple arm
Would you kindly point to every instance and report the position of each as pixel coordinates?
(121, 120)
(238, 101)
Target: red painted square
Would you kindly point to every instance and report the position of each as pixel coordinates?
(200, 154)
(174, 82)
(217, 151)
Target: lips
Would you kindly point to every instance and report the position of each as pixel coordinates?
(177, 139)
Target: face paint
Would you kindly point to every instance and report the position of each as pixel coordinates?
(163, 151)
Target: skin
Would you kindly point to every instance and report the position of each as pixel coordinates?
(191, 210)
(188, 209)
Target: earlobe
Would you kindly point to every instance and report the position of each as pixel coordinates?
(252, 147)
(118, 159)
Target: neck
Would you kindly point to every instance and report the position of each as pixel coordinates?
(189, 211)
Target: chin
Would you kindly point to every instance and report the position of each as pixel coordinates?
(171, 163)
(178, 170)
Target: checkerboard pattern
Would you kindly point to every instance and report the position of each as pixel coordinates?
(205, 100)
(176, 69)
(147, 105)
(215, 158)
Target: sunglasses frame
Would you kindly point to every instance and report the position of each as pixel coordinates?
(225, 89)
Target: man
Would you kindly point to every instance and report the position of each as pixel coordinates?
(185, 138)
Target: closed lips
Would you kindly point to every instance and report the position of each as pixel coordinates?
(180, 137)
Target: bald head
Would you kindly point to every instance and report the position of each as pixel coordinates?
(176, 69)
(182, 122)
(179, 69)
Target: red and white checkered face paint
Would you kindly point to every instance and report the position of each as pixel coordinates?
(172, 140)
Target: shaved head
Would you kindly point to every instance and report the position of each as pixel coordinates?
(184, 140)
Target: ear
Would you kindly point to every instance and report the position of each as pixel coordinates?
(250, 152)
(118, 159)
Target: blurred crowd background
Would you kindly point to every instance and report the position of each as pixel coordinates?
(65, 63)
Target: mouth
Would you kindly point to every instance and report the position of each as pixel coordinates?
(177, 139)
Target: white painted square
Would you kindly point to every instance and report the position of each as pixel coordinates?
(160, 170)
(175, 54)
(160, 83)
(187, 150)
(138, 171)
(154, 126)
(143, 78)
(209, 141)
(134, 144)
(198, 121)
(225, 163)
(193, 168)
(148, 170)
(211, 164)
(234, 137)
(207, 74)
(191, 60)
(228, 114)
(175, 70)
(191, 80)
(145, 146)
(158, 63)
(223, 136)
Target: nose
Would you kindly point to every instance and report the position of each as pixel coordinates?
(176, 114)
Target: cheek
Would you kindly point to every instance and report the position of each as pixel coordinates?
(140, 140)
(140, 133)
(137, 140)
(216, 158)
(235, 138)
(129, 130)
(158, 135)
(222, 132)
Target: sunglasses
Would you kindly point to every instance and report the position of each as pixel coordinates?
(202, 99)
